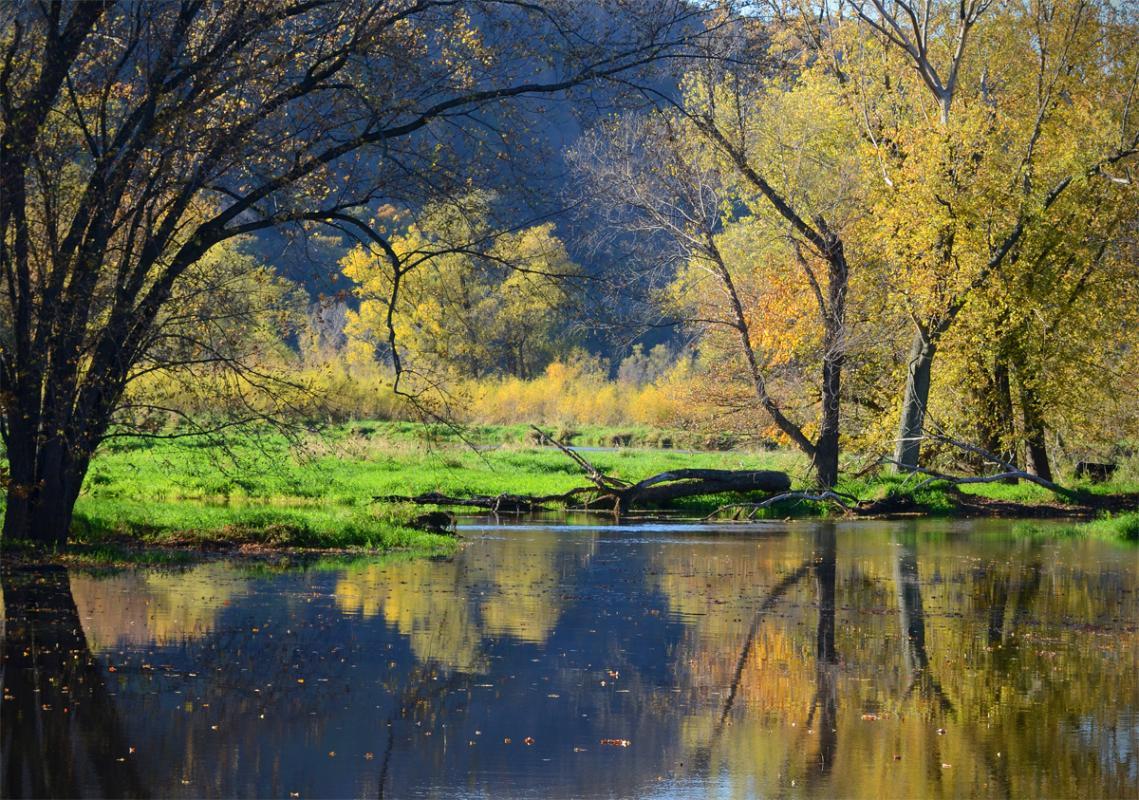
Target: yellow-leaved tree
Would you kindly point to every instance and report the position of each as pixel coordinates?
(452, 298)
(1002, 136)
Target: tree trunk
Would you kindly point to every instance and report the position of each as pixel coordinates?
(46, 477)
(826, 459)
(827, 443)
(834, 357)
(21, 486)
(907, 450)
(1003, 424)
(1036, 448)
(993, 401)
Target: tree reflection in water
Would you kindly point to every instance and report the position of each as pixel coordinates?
(911, 615)
(825, 701)
(62, 736)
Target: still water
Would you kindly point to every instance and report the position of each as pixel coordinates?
(863, 659)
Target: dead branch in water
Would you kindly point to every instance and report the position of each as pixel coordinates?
(599, 478)
(500, 503)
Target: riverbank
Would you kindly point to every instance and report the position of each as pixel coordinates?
(169, 499)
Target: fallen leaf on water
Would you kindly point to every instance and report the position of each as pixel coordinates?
(506, 740)
(369, 756)
(529, 740)
(616, 742)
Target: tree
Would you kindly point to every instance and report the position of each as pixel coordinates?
(217, 357)
(472, 301)
(1015, 112)
(1062, 322)
(689, 175)
(139, 135)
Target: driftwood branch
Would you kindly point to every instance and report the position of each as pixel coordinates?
(598, 477)
(499, 503)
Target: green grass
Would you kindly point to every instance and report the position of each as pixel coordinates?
(268, 492)
(1124, 526)
(637, 436)
(345, 467)
(185, 522)
(933, 498)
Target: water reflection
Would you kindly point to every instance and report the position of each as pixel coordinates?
(803, 660)
(137, 609)
(62, 735)
(511, 591)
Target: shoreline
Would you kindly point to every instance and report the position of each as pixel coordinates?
(122, 551)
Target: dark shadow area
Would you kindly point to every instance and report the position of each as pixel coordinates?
(62, 736)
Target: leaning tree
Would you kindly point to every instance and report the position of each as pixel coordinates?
(137, 136)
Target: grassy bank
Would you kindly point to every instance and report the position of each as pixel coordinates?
(157, 500)
(1124, 526)
(269, 493)
(319, 493)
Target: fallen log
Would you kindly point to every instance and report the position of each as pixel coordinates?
(613, 494)
(657, 490)
(680, 483)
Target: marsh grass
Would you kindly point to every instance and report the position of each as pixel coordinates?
(318, 492)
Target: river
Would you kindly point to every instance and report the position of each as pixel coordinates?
(800, 659)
